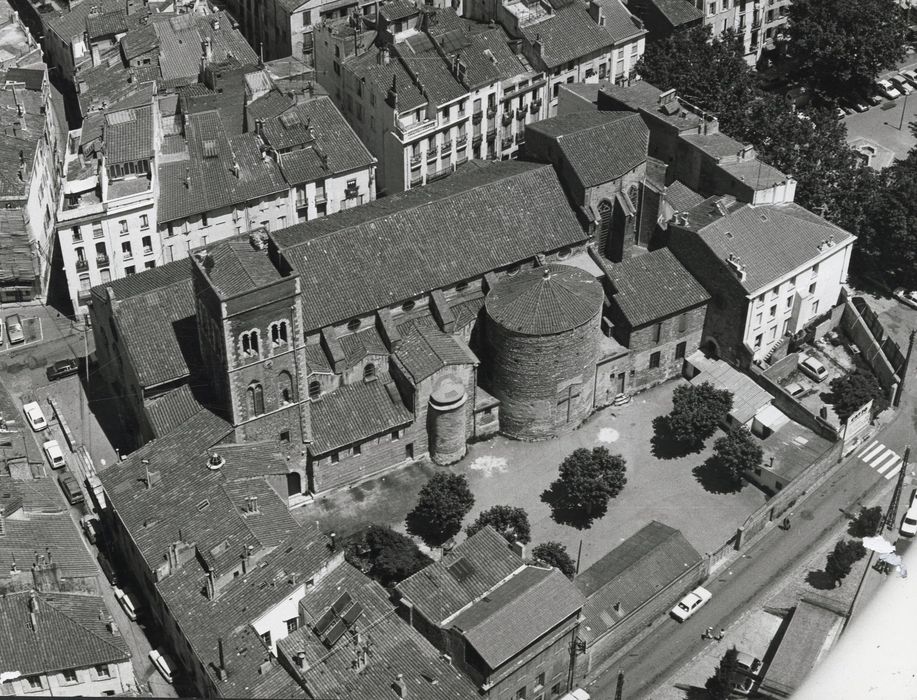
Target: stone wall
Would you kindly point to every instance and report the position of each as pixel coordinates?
(787, 403)
(871, 349)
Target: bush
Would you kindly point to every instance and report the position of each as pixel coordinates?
(442, 503)
(853, 391)
(386, 556)
(555, 554)
(697, 410)
(867, 522)
(512, 523)
(719, 685)
(737, 452)
(841, 559)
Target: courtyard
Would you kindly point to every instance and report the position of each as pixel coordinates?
(502, 471)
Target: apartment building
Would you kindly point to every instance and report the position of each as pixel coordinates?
(17, 47)
(760, 23)
(31, 155)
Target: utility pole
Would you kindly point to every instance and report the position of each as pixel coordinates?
(903, 112)
(619, 689)
(892, 512)
(904, 368)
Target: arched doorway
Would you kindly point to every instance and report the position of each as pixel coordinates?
(294, 484)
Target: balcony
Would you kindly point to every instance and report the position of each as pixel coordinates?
(507, 118)
(476, 117)
(491, 112)
(320, 197)
(520, 114)
(102, 260)
(431, 155)
(412, 131)
(446, 148)
(415, 160)
(82, 265)
(461, 141)
(506, 143)
(492, 134)
(476, 139)
(535, 107)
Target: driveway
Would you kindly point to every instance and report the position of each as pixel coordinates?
(502, 471)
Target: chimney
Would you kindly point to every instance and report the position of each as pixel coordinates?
(187, 178)
(211, 586)
(392, 97)
(215, 23)
(400, 687)
(207, 49)
(33, 610)
(300, 659)
(259, 126)
(519, 547)
(333, 537)
(221, 670)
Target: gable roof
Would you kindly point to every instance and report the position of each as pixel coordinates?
(68, 634)
(682, 197)
(631, 574)
(653, 286)
(678, 12)
(598, 146)
(771, 240)
(464, 574)
(425, 350)
(53, 533)
(171, 409)
(482, 218)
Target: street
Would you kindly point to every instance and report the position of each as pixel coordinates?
(745, 583)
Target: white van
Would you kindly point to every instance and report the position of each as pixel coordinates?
(126, 603)
(162, 664)
(576, 694)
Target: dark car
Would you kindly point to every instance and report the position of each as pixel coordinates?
(71, 489)
(63, 368)
(107, 569)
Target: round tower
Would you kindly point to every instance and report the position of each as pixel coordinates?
(543, 329)
(447, 422)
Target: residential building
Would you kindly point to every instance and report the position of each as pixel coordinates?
(770, 269)
(760, 27)
(31, 153)
(428, 91)
(17, 47)
(509, 625)
(63, 645)
(656, 310)
(662, 17)
(636, 582)
(600, 158)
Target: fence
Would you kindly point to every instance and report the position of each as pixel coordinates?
(871, 345)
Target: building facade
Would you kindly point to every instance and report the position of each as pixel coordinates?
(760, 25)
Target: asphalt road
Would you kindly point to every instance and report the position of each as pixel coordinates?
(747, 582)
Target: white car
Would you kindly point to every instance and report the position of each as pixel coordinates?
(900, 82)
(887, 90)
(908, 297)
(54, 454)
(748, 667)
(909, 522)
(576, 694)
(35, 417)
(162, 664)
(691, 603)
(910, 75)
(812, 368)
(126, 603)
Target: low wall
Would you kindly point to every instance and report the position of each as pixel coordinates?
(788, 404)
(870, 348)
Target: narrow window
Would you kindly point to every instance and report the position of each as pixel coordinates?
(315, 389)
(654, 360)
(369, 371)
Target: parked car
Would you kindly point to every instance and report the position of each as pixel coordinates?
(747, 667)
(71, 489)
(812, 368)
(908, 297)
(54, 454)
(887, 90)
(794, 388)
(902, 84)
(107, 569)
(35, 417)
(910, 75)
(162, 663)
(126, 603)
(576, 694)
(873, 98)
(909, 523)
(691, 603)
(14, 329)
(859, 105)
(90, 525)
(63, 368)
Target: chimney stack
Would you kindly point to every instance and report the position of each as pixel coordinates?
(33, 610)
(221, 670)
(400, 687)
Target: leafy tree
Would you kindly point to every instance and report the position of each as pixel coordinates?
(854, 390)
(697, 410)
(592, 478)
(842, 45)
(555, 554)
(867, 522)
(442, 503)
(841, 559)
(385, 555)
(512, 523)
(736, 453)
(719, 685)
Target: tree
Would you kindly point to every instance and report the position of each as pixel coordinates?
(720, 684)
(841, 559)
(442, 503)
(867, 522)
(842, 45)
(385, 555)
(852, 391)
(588, 480)
(737, 452)
(555, 554)
(697, 410)
(512, 523)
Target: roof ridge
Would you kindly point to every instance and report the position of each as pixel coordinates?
(104, 641)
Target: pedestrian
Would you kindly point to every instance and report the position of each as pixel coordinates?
(708, 633)
(722, 634)
(786, 524)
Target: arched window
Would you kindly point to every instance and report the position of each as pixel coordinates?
(605, 210)
(250, 343)
(256, 398)
(369, 371)
(315, 389)
(279, 333)
(514, 270)
(353, 324)
(285, 387)
(563, 254)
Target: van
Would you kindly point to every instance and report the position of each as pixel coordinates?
(162, 664)
(812, 368)
(14, 329)
(125, 602)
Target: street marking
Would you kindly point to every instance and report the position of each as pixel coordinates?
(866, 447)
(893, 471)
(877, 458)
(872, 452)
(893, 461)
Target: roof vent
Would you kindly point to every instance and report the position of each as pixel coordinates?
(735, 262)
(216, 461)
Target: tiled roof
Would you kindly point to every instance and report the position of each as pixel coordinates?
(110, 23)
(653, 286)
(234, 267)
(681, 197)
(631, 574)
(394, 10)
(515, 614)
(128, 135)
(158, 332)
(33, 78)
(42, 533)
(545, 300)
(369, 66)
(16, 261)
(482, 218)
(358, 345)
(72, 23)
(467, 311)
(440, 85)
(273, 104)
(35, 495)
(355, 412)
(425, 350)
(180, 38)
(754, 173)
(68, 634)
(748, 397)
(619, 23)
(317, 360)
(567, 35)
(19, 133)
(598, 146)
(171, 410)
(396, 648)
(771, 240)
(678, 12)
(146, 281)
(139, 41)
(641, 95)
(463, 575)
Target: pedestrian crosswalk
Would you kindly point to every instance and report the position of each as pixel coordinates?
(881, 458)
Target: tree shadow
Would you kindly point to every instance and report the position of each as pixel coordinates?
(564, 511)
(820, 580)
(714, 478)
(664, 446)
